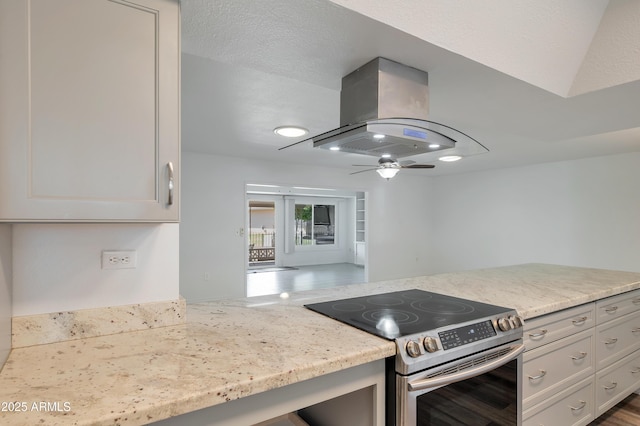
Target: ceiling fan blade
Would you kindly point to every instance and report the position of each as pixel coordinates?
(419, 166)
(364, 165)
(405, 163)
(362, 171)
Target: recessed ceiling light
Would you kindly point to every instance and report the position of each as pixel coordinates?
(290, 131)
(334, 148)
(434, 145)
(450, 158)
(378, 136)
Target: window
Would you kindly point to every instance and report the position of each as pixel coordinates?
(315, 224)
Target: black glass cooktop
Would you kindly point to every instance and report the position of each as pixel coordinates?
(401, 313)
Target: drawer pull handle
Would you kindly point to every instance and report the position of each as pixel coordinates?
(541, 334)
(611, 309)
(579, 321)
(539, 376)
(635, 330)
(636, 301)
(580, 407)
(170, 184)
(636, 370)
(581, 356)
(612, 386)
(610, 341)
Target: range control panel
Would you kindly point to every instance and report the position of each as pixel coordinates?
(465, 335)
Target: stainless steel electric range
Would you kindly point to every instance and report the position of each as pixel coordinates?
(458, 362)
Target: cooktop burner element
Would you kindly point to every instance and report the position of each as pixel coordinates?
(396, 314)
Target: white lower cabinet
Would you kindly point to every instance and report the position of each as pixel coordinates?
(572, 407)
(616, 382)
(618, 338)
(582, 361)
(552, 367)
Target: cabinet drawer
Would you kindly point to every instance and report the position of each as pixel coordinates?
(617, 338)
(552, 327)
(616, 382)
(553, 367)
(571, 407)
(617, 306)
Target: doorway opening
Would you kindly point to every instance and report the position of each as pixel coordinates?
(262, 234)
(303, 238)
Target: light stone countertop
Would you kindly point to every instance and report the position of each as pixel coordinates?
(231, 349)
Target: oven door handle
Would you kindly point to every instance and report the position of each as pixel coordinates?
(463, 375)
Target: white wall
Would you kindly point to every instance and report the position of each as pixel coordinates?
(213, 210)
(5, 292)
(57, 267)
(582, 213)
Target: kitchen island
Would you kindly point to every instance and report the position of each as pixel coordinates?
(228, 350)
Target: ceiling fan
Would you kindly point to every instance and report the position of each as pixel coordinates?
(389, 167)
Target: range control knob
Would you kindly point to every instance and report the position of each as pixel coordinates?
(516, 320)
(413, 348)
(430, 344)
(504, 324)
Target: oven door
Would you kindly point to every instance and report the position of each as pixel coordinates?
(481, 389)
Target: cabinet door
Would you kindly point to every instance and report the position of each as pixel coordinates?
(89, 108)
(360, 253)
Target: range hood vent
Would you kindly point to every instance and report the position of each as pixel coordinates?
(384, 109)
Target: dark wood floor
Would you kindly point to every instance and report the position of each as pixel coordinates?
(626, 413)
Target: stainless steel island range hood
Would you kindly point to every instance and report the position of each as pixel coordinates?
(384, 109)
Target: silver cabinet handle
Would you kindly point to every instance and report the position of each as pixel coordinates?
(170, 197)
(541, 334)
(612, 386)
(579, 407)
(611, 309)
(635, 330)
(635, 370)
(579, 321)
(581, 356)
(610, 341)
(539, 376)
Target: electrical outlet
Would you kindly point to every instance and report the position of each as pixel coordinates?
(122, 259)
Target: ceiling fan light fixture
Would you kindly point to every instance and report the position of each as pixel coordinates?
(450, 158)
(290, 131)
(387, 172)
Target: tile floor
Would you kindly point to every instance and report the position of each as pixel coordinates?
(303, 278)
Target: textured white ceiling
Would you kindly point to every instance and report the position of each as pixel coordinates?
(541, 42)
(614, 54)
(499, 70)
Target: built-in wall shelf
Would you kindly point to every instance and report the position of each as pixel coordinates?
(360, 217)
(361, 235)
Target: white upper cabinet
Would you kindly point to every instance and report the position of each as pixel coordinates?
(89, 110)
